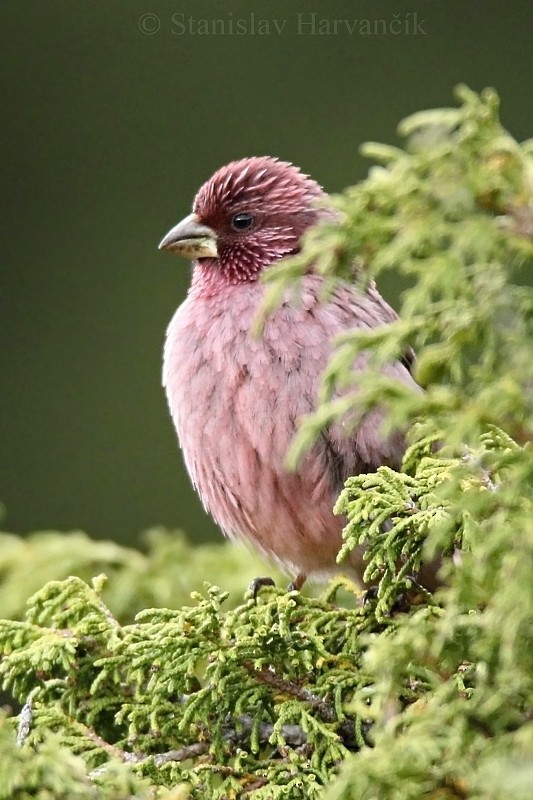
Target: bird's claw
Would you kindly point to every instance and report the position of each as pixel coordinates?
(411, 596)
(257, 584)
(404, 600)
(370, 595)
(297, 583)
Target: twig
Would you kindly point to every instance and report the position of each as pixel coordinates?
(116, 752)
(255, 785)
(271, 678)
(293, 734)
(25, 720)
(182, 754)
(486, 480)
(523, 220)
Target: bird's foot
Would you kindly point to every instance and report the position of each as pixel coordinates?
(409, 597)
(297, 583)
(257, 584)
(370, 595)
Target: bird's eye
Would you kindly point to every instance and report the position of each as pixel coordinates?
(242, 221)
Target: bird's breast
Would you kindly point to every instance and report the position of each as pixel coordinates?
(236, 400)
(224, 384)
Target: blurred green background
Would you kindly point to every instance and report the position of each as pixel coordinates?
(113, 117)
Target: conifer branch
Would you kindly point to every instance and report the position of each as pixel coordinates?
(269, 677)
(326, 697)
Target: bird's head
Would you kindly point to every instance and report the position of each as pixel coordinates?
(250, 214)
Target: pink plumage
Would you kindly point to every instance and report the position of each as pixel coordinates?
(236, 400)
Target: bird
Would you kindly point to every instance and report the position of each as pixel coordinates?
(236, 398)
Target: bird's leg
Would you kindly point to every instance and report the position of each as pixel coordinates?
(370, 595)
(411, 596)
(297, 583)
(405, 599)
(258, 583)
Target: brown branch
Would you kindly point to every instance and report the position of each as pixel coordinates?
(271, 678)
(110, 749)
(182, 754)
(522, 217)
(255, 785)
(25, 720)
(293, 734)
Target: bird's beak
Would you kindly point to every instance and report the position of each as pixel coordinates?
(191, 239)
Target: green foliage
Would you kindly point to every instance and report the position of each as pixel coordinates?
(254, 695)
(164, 574)
(405, 695)
(471, 734)
(53, 771)
(453, 213)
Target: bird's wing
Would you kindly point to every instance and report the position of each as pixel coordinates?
(387, 315)
(300, 337)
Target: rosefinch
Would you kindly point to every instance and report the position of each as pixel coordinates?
(236, 399)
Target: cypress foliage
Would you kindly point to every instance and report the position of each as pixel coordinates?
(393, 693)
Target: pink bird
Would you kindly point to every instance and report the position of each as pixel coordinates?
(236, 399)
